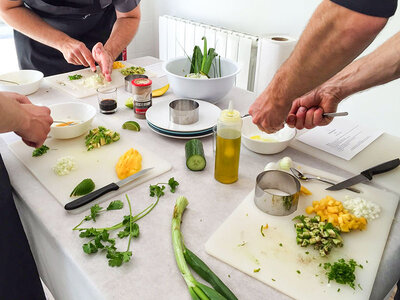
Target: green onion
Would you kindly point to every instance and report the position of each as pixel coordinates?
(184, 256)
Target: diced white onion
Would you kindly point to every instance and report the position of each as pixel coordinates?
(64, 165)
(362, 208)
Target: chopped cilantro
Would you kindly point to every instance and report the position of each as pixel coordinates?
(342, 272)
(40, 151)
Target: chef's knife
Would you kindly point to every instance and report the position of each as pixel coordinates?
(104, 190)
(366, 175)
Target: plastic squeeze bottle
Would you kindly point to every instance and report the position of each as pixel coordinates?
(227, 150)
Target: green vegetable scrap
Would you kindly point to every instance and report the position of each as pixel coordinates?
(99, 238)
(133, 70)
(129, 103)
(40, 151)
(201, 62)
(75, 77)
(323, 236)
(100, 136)
(84, 187)
(256, 270)
(184, 256)
(342, 272)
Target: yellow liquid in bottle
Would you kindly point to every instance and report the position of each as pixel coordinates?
(227, 156)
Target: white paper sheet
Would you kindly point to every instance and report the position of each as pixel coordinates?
(342, 138)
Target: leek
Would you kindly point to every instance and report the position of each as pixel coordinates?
(201, 62)
(197, 290)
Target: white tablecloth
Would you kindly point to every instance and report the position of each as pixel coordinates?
(152, 274)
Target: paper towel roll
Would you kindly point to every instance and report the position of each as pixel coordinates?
(272, 52)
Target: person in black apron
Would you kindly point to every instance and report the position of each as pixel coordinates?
(19, 278)
(87, 21)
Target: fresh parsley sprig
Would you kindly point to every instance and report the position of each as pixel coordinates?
(100, 237)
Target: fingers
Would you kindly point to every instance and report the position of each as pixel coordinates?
(32, 144)
(300, 117)
(104, 60)
(309, 118)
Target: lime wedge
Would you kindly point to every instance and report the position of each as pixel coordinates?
(129, 102)
(131, 125)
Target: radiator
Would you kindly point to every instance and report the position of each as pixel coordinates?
(178, 36)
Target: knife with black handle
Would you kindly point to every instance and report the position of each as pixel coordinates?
(366, 175)
(102, 191)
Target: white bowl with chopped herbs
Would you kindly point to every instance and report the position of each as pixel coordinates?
(71, 119)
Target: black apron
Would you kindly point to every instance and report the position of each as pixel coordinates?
(19, 278)
(89, 21)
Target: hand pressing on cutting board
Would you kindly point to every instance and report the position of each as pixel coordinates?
(31, 122)
(307, 111)
(104, 59)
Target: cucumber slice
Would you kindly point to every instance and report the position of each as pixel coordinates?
(195, 159)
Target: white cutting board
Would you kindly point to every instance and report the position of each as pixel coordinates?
(384, 148)
(279, 264)
(97, 164)
(77, 89)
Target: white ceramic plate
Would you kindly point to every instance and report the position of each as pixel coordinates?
(158, 115)
(186, 137)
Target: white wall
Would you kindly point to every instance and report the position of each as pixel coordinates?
(379, 106)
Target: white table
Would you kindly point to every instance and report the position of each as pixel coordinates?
(152, 274)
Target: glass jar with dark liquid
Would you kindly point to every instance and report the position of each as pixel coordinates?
(108, 106)
(107, 98)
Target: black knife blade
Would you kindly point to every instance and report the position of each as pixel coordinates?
(366, 175)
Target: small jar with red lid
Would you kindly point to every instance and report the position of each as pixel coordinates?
(142, 98)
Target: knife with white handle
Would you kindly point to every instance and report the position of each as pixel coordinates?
(104, 190)
(366, 175)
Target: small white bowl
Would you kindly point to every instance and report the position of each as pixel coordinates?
(71, 111)
(274, 143)
(28, 81)
(210, 89)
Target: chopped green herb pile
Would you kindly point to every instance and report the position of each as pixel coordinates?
(100, 136)
(342, 272)
(99, 238)
(84, 187)
(75, 77)
(323, 236)
(133, 70)
(40, 151)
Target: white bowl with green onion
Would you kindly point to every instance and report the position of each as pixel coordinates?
(220, 80)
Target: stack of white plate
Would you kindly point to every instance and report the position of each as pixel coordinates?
(158, 120)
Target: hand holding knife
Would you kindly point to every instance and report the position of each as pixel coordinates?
(366, 175)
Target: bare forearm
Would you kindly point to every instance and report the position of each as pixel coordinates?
(379, 67)
(33, 26)
(331, 40)
(123, 31)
